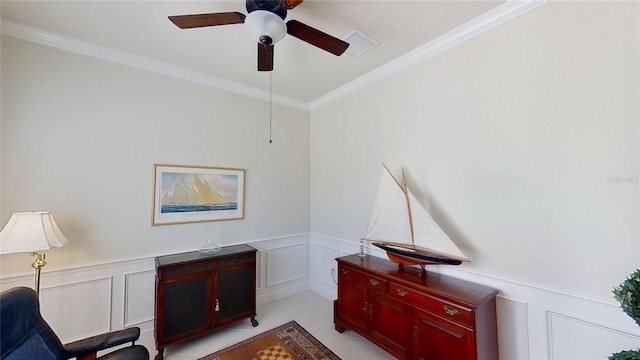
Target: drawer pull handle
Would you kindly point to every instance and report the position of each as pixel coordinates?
(451, 310)
(374, 282)
(345, 271)
(217, 308)
(365, 308)
(402, 292)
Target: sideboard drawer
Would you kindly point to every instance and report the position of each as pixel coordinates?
(365, 279)
(447, 310)
(438, 307)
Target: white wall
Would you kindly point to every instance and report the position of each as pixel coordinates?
(80, 137)
(523, 141)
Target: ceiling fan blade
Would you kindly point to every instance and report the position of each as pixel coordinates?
(316, 37)
(265, 57)
(202, 20)
(290, 4)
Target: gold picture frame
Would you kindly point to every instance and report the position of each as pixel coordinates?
(189, 194)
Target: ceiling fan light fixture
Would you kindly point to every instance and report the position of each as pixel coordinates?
(263, 24)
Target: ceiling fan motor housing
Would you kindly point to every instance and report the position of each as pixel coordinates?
(265, 27)
(275, 6)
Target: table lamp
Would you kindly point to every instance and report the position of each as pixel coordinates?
(31, 232)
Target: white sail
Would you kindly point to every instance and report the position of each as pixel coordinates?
(428, 235)
(192, 189)
(399, 218)
(390, 218)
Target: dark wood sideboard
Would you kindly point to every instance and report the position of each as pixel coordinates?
(197, 293)
(414, 316)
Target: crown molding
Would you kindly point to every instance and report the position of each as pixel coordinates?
(495, 17)
(51, 39)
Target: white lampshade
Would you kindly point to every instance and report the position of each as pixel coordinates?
(30, 231)
(265, 23)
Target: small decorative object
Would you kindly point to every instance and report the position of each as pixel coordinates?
(210, 246)
(187, 194)
(363, 232)
(628, 295)
(362, 254)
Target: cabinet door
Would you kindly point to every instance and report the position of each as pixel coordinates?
(235, 294)
(390, 323)
(438, 339)
(352, 303)
(185, 307)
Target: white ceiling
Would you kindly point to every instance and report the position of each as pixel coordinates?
(138, 33)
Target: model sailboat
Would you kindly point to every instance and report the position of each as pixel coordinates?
(403, 228)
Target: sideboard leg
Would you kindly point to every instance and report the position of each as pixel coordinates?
(254, 322)
(160, 354)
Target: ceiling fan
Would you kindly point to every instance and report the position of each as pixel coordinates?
(265, 21)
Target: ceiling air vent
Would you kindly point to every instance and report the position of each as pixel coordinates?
(359, 43)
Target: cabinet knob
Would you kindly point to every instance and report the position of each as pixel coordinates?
(345, 271)
(402, 292)
(217, 308)
(451, 310)
(374, 282)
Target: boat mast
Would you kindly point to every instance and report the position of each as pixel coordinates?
(406, 195)
(403, 187)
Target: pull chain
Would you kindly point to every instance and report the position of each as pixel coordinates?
(270, 106)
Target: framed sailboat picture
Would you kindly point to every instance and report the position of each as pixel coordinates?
(188, 194)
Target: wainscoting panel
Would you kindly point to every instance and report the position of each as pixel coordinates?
(513, 337)
(534, 323)
(282, 267)
(60, 303)
(139, 293)
(569, 338)
(286, 263)
(323, 269)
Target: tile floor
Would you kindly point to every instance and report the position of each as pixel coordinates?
(312, 311)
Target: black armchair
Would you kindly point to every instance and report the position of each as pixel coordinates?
(25, 335)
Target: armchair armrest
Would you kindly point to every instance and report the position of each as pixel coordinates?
(100, 342)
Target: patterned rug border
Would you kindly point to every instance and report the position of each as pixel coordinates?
(275, 330)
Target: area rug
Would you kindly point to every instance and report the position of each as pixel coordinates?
(296, 338)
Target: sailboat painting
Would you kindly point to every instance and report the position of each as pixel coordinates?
(402, 227)
(194, 194)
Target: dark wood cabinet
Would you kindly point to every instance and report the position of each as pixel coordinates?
(413, 315)
(198, 292)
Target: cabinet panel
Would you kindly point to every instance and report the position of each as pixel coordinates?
(352, 302)
(192, 306)
(390, 320)
(240, 301)
(438, 339)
